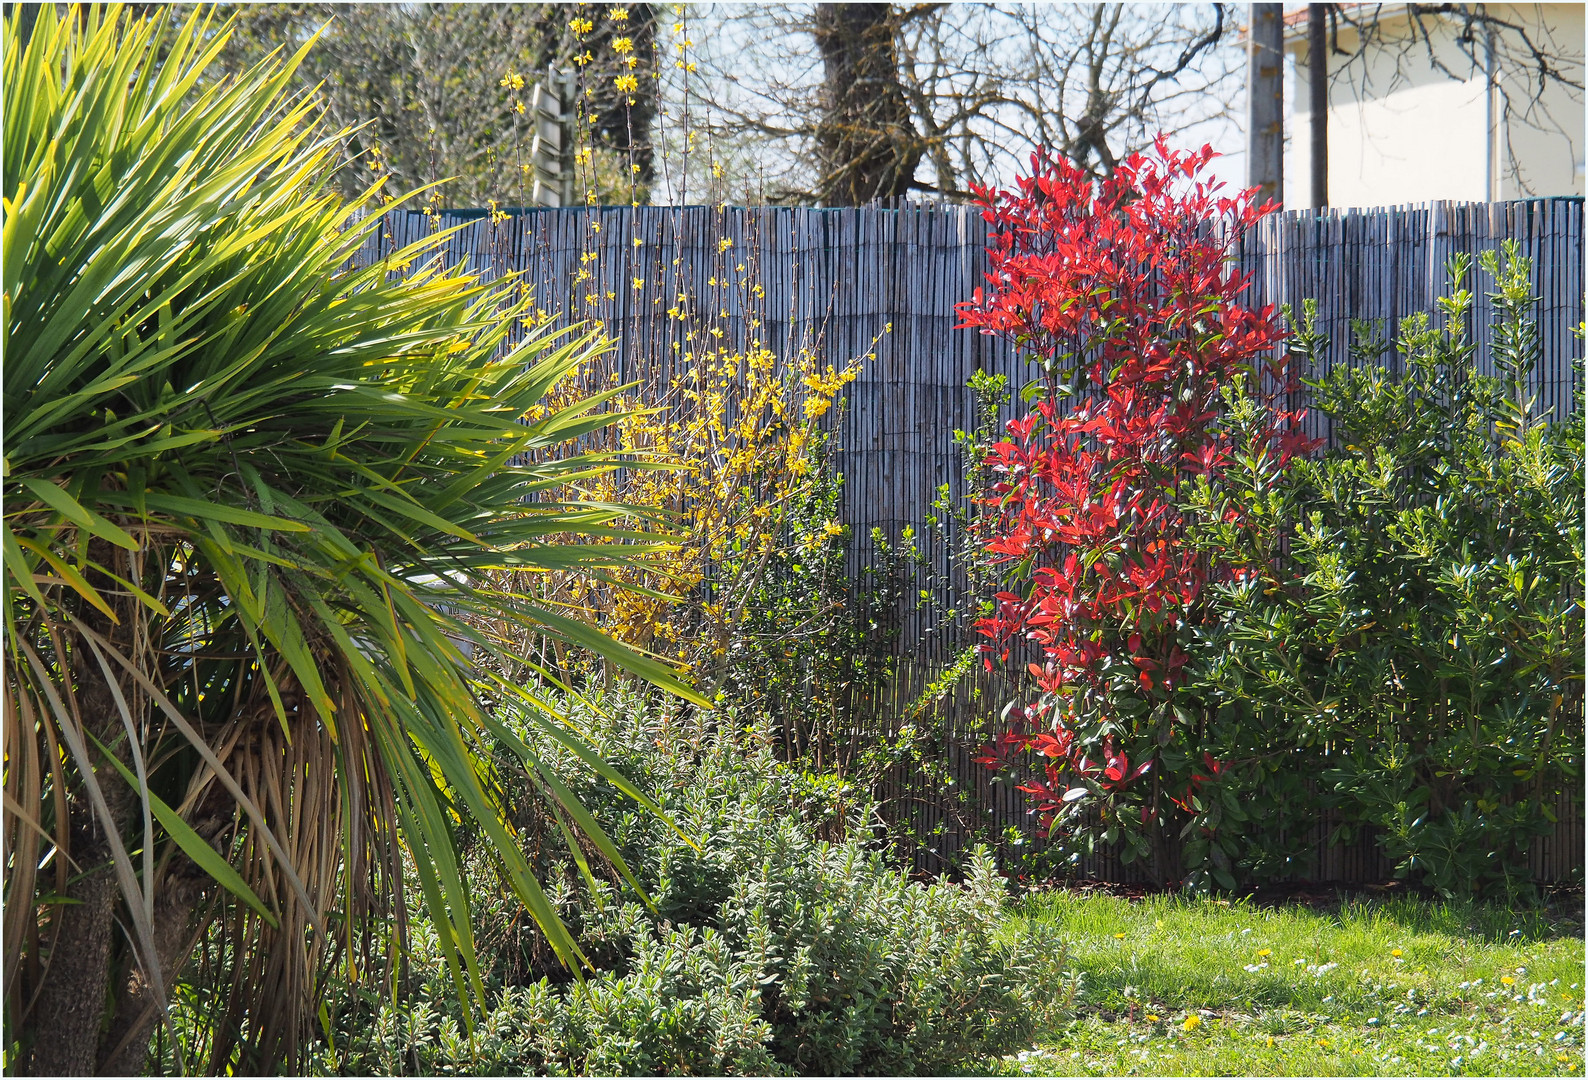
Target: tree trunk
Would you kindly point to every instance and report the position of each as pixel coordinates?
(75, 1022)
(71, 1005)
(1265, 107)
(866, 141)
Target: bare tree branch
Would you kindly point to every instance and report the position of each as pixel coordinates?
(974, 88)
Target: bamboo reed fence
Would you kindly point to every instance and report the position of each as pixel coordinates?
(884, 282)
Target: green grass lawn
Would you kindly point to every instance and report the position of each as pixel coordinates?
(1168, 986)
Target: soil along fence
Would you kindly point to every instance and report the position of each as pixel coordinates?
(884, 282)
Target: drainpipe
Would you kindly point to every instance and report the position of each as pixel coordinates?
(1490, 151)
(1318, 87)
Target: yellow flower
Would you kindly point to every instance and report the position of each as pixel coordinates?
(832, 528)
(626, 83)
(1119, 937)
(619, 15)
(518, 107)
(622, 46)
(1507, 980)
(1270, 1040)
(1396, 953)
(1192, 1022)
(581, 26)
(1152, 1018)
(1265, 952)
(639, 283)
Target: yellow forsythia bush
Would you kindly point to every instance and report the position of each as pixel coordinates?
(718, 457)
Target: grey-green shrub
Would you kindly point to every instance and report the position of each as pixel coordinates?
(783, 945)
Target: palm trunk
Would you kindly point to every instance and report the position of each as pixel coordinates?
(67, 1020)
(76, 1022)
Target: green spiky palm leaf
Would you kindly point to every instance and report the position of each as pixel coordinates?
(254, 503)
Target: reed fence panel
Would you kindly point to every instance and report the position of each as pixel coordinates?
(884, 282)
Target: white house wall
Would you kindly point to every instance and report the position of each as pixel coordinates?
(1548, 145)
(1415, 134)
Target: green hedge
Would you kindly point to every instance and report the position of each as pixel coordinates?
(780, 945)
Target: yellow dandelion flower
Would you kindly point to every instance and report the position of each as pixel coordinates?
(1192, 1022)
(1396, 953)
(1262, 953)
(1152, 1018)
(1119, 937)
(1507, 980)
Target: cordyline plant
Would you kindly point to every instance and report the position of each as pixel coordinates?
(255, 503)
(1122, 294)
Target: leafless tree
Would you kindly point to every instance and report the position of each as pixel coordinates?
(841, 103)
(422, 83)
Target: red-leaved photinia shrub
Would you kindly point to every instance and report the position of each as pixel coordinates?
(1124, 294)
